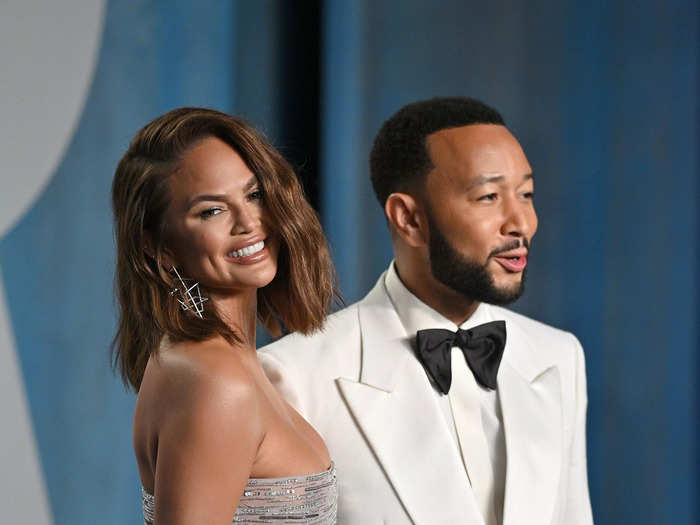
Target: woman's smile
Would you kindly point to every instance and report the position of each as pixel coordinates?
(250, 253)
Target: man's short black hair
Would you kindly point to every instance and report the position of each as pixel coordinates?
(399, 156)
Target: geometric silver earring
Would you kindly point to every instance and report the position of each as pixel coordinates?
(190, 298)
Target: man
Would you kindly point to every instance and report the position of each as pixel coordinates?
(437, 406)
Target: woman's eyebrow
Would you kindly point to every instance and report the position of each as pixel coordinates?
(219, 197)
(205, 197)
(251, 182)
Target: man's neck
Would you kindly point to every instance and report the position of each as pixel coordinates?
(421, 283)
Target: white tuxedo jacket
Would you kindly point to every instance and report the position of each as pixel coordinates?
(360, 385)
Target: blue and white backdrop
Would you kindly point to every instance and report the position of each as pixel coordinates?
(603, 96)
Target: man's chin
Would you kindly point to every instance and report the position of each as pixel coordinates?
(505, 289)
(502, 278)
(504, 295)
(508, 284)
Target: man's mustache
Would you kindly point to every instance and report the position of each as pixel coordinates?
(512, 245)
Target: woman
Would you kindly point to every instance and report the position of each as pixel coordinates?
(213, 232)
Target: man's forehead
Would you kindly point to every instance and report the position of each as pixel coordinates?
(476, 150)
(471, 136)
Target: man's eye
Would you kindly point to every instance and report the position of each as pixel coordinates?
(489, 197)
(210, 212)
(529, 194)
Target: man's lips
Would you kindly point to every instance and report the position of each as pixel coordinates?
(512, 260)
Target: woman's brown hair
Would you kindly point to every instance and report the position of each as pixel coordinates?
(298, 298)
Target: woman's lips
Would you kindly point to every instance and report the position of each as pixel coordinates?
(251, 259)
(513, 264)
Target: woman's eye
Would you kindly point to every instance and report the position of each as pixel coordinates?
(529, 194)
(255, 195)
(210, 212)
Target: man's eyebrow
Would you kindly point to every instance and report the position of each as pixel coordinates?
(485, 178)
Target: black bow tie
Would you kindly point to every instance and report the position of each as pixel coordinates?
(482, 347)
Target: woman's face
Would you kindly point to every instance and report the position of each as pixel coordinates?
(216, 221)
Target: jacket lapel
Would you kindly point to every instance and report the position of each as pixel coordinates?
(530, 395)
(399, 415)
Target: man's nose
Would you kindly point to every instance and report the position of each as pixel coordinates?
(517, 219)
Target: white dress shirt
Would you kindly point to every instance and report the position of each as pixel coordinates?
(416, 315)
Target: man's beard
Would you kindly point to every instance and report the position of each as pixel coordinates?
(466, 276)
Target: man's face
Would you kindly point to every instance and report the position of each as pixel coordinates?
(480, 212)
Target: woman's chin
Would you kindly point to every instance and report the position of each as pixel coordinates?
(253, 282)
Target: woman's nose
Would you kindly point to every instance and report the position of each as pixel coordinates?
(245, 221)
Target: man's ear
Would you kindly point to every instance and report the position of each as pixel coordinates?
(407, 219)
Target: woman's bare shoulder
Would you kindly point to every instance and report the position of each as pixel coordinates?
(198, 408)
(209, 426)
(206, 377)
(208, 360)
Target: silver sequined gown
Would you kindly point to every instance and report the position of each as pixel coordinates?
(308, 500)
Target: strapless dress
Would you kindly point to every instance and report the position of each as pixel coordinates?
(307, 500)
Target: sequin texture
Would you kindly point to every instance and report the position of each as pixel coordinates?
(308, 500)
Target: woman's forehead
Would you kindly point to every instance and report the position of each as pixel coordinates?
(211, 166)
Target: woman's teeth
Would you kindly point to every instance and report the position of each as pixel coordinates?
(248, 250)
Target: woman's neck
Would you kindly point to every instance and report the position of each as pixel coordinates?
(239, 311)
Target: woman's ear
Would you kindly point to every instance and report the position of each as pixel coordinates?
(406, 218)
(166, 257)
(147, 246)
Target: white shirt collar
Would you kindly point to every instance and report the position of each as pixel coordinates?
(416, 315)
